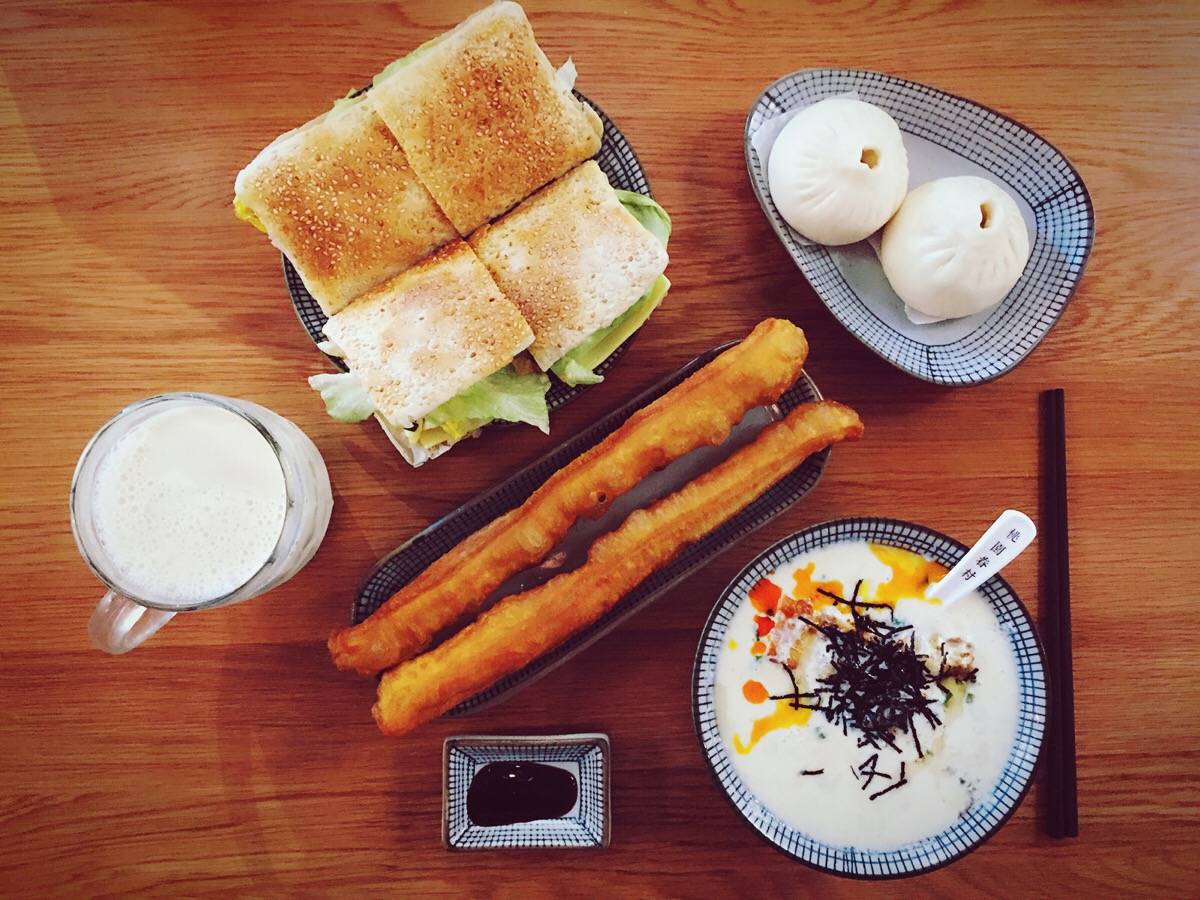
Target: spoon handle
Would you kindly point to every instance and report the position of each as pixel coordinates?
(1004, 541)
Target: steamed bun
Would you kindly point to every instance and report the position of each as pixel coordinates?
(838, 170)
(955, 247)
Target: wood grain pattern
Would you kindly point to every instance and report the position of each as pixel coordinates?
(227, 755)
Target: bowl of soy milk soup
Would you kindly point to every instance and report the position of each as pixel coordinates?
(852, 719)
(188, 501)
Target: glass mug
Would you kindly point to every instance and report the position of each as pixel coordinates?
(130, 612)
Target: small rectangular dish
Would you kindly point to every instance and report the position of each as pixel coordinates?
(587, 824)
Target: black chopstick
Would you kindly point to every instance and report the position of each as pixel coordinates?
(1056, 594)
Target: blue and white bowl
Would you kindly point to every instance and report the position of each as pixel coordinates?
(945, 135)
(979, 822)
(586, 756)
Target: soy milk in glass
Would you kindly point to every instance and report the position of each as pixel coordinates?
(189, 501)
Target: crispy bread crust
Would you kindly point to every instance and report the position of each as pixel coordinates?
(428, 333)
(481, 118)
(571, 258)
(339, 198)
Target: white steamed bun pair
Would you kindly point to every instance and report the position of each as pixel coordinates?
(838, 172)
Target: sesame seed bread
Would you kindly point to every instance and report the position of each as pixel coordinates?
(482, 118)
(429, 333)
(571, 258)
(338, 196)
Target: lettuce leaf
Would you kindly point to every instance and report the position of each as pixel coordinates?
(345, 396)
(502, 395)
(572, 371)
(652, 216)
(578, 366)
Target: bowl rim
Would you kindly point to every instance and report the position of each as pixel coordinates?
(764, 199)
(858, 521)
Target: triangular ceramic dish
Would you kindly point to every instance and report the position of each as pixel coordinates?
(944, 135)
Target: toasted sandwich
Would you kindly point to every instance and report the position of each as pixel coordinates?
(483, 117)
(584, 264)
(338, 196)
(431, 355)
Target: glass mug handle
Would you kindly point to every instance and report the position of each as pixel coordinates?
(119, 624)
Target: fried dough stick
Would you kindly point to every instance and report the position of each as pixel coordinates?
(700, 411)
(520, 628)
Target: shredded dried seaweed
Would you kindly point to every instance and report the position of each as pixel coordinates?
(878, 685)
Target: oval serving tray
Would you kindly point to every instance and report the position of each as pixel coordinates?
(615, 158)
(944, 135)
(981, 820)
(415, 555)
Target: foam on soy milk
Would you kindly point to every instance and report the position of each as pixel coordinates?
(189, 504)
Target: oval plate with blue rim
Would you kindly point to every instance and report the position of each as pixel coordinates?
(979, 822)
(414, 556)
(945, 135)
(616, 160)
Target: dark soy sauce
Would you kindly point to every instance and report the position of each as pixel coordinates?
(507, 792)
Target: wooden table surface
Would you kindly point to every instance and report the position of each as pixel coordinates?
(228, 755)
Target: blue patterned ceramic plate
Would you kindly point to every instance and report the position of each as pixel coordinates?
(975, 826)
(615, 158)
(586, 756)
(410, 559)
(944, 135)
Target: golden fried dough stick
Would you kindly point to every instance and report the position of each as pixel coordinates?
(700, 411)
(520, 628)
